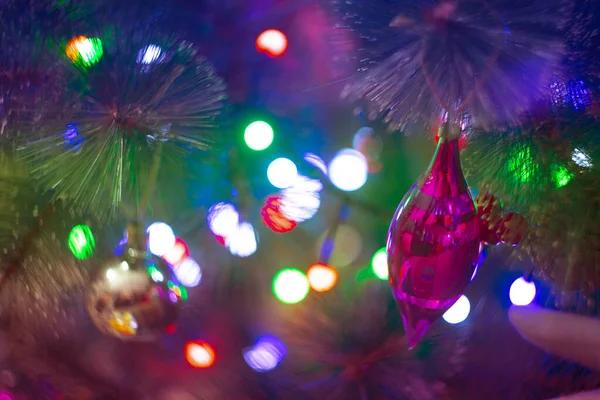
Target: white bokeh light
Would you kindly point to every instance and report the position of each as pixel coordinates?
(581, 158)
(282, 173)
(348, 170)
(458, 312)
(258, 135)
(301, 201)
(316, 162)
(161, 238)
(223, 219)
(150, 54)
(188, 272)
(265, 355)
(522, 292)
(242, 242)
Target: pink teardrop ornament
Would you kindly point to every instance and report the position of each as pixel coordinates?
(434, 241)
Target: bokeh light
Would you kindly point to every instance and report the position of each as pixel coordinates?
(368, 144)
(266, 354)
(360, 135)
(290, 286)
(150, 54)
(82, 242)
(155, 274)
(341, 249)
(258, 135)
(188, 272)
(561, 176)
(458, 312)
(581, 158)
(301, 201)
(161, 238)
(272, 42)
(199, 354)
(223, 219)
(273, 216)
(282, 173)
(316, 162)
(73, 139)
(379, 264)
(522, 164)
(321, 277)
(178, 252)
(348, 170)
(242, 242)
(84, 51)
(522, 292)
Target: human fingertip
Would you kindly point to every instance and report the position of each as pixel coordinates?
(519, 315)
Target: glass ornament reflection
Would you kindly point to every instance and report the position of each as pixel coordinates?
(132, 297)
(434, 240)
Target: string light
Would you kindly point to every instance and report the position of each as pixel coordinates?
(178, 252)
(348, 170)
(150, 54)
(302, 200)
(321, 277)
(188, 272)
(316, 162)
(266, 354)
(84, 51)
(273, 216)
(199, 354)
(223, 219)
(290, 286)
(581, 158)
(242, 242)
(458, 312)
(161, 238)
(272, 42)
(522, 292)
(258, 135)
(81, 242)
(282, 173)
(379, 264)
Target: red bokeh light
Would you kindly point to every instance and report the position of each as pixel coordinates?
(272, 42)
(199, 354)
(178, 253)
(273, 216)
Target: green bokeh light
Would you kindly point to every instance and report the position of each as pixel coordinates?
(91, 51)
(561, 176)
(290, 286)
(258, 135)
(379, 264)
(85, 52)
(82, 242)
(522, 165)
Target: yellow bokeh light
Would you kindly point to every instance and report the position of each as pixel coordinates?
(322, 278)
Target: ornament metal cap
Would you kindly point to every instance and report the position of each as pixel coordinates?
(449, 131)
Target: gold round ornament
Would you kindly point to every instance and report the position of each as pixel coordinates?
(134, 296)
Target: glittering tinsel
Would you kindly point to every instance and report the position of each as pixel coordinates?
(419, 59)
